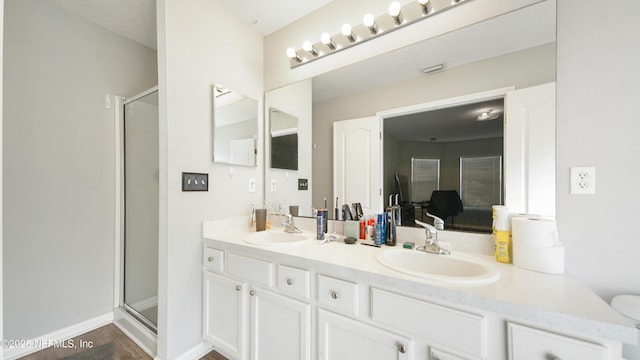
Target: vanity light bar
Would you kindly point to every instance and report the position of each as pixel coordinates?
(398, 16)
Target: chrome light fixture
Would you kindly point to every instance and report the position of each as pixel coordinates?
(370, 22)
(347, 31)
(397, 16)
(326, 39)
(308, 47)
(426, 6)
(395, 11)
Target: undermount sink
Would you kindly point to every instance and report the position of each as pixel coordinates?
(455, 269)
(276, 238)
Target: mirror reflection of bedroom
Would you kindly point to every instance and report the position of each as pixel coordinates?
(447, 163)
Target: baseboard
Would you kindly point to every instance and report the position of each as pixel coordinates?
(138, 333)
(196, 352)
(58, 336)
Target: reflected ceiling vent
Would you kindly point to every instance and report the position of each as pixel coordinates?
(431, 69)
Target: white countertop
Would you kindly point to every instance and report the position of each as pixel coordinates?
(555, 301)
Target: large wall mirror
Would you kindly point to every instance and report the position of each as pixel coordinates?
(479, 58)
(235, 130)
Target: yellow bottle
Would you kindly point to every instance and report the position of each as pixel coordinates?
(503, 246)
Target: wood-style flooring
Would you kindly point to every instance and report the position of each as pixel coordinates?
(122, 348)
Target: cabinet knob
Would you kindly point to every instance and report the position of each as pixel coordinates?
(238, 288)
(252, 292)
(289, 282)
(334, 295)
(401, 349)
(210, 258)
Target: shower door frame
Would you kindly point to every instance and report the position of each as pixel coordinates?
(119, 278)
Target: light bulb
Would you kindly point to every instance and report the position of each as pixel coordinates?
(326, 39)
(348, 33)
(394, 11)
(308, 47)
(426, 6)
(292, 54)
(370, 21)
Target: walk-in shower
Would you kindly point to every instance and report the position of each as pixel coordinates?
(140, 161)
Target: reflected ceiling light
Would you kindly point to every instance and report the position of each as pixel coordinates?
(292, 54)
(426, 6)
(488, 115)
(308, 47)
(370, 21)
(395, 10)
(326, 39)
(348, 33)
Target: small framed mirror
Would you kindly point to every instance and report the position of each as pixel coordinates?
(235, 127)
(284, 140)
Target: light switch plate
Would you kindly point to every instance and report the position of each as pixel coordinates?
(195, 182)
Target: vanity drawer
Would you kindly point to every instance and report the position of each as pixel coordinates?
(294, 281)
(437, 324)
(527, 343)
(338, 294)
(213, 259)
(253, 270)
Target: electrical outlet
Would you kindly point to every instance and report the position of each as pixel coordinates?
(195, 182)
(583, 180)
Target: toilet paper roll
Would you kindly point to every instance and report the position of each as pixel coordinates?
(500, 218)
(537, 232)
(549, 260)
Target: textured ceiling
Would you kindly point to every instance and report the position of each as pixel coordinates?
(267, 16)
(136, 19)
(133, 19)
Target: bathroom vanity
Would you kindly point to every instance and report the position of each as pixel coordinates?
(306, 300)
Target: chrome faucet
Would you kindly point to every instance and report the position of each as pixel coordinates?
(288, 224)
(431, 244)
(437, 222)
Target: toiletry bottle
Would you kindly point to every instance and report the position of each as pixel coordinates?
(381, 226)
(321, 224)
(363, 229)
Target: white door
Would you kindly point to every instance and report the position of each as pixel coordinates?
(343, 338)
(530, 150)
(281, 327)
(357, 163)
(223, 313)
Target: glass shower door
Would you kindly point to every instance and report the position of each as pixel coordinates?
(141, 196)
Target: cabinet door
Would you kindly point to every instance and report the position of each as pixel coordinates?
(224, 318)
(527, 343)
(280, 327)
(343, 338)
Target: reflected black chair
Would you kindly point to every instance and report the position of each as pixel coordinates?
(445, 204)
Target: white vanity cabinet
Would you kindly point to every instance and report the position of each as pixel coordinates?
(342, 338)
(245, 319)
(280, 327)
(224, 313)
(527, 343)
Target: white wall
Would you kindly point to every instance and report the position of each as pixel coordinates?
(597, 125)
(58, 158)
(199, 43)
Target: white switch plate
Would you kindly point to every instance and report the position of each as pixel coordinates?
(583, 180)
(252, 185)
(274, 185)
